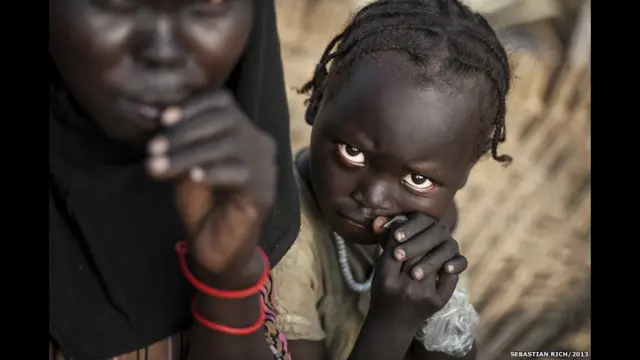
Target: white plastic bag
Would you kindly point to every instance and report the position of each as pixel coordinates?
(450, 330)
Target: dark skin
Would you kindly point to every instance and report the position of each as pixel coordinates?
(382, 146)
(151, 73)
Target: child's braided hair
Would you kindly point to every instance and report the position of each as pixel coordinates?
(442, 37)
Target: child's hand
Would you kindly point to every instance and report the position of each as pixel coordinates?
(226, 172)
(418, 270)
(415, 240)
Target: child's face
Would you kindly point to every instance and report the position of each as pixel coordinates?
(384, 146)
(146, 52)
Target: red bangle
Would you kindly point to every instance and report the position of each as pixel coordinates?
(227, 329)
(181, 249)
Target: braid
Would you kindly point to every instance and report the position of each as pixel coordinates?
(442, 37)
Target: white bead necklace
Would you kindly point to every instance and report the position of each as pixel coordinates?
(345, 269)
(343, 260)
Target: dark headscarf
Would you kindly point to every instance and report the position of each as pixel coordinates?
(115, 285)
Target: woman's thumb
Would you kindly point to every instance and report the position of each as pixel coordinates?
(194, 202)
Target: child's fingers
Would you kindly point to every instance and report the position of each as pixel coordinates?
(388, 264)
(446, 286)
(416, 224)
(422, 243)
(434, 260)
(456, 265)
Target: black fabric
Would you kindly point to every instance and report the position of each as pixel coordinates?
(115, 285)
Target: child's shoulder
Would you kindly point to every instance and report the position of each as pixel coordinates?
(304, 260)
(302, 256)
(302, 252)
(312, 220)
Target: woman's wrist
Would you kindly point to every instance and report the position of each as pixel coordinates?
(243, 272)
(236, 313)
(239, 312)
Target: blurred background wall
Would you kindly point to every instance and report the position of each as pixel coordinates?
(525, 228)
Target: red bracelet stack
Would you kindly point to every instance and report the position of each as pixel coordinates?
(181, 249)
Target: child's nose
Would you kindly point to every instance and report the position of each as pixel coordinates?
(374, 196)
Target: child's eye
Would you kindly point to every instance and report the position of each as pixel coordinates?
(351, 155)
(418, 183)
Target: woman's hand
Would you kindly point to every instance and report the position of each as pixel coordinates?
(226, 172)
(417, 272)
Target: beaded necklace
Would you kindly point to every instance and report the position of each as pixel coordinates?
(345, 268)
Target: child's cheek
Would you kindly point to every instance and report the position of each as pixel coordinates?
(434, 204)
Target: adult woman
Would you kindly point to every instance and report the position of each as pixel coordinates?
(117, 67)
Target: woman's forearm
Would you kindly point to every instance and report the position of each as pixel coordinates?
(207, 344)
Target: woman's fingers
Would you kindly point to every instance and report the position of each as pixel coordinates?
(227, 174)
(184, 160)
(191, 132)
(194, 107)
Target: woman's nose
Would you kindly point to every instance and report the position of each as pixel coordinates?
(161, 47)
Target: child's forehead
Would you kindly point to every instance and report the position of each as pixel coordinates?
(397, 114)
(396, 101)
(381, 69)
(390, 77)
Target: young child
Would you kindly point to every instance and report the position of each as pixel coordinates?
(403, 103)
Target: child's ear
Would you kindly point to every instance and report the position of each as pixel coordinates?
(310, 114)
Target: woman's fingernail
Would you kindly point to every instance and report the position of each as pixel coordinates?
(418, 273)
(158, 146)
(171, 116)
(159, 165)
(149, 111)
(399, 235)
(450, 269)
(400, 254)
(197, 174)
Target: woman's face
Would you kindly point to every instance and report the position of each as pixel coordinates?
(119, 57)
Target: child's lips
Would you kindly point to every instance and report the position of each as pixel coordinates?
(378, 224)
(365, 223)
